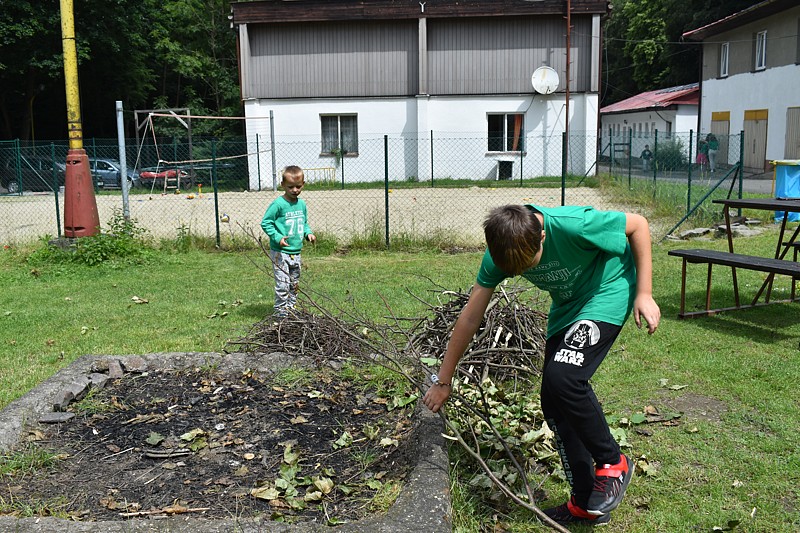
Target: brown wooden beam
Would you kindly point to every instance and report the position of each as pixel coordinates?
(275, 11)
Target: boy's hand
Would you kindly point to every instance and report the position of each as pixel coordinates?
(283, 242)
(645, 307)
(311, 238)
(436, 397)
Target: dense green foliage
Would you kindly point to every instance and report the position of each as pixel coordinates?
(643, 45)
(182, 53)
(149, 54)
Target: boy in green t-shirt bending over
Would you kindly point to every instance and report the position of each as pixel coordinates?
(286, 223)
(597, 267)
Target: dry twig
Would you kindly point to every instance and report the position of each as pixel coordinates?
(508, 347)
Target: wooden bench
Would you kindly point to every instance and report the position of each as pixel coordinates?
(749, 262)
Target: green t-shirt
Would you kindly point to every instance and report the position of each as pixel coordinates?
(587, 266)
(286, 219)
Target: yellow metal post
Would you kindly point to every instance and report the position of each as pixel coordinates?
(80, 206)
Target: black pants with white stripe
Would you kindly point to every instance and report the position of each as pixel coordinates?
(570, 406)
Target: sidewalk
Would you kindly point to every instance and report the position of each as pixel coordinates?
(752, 183)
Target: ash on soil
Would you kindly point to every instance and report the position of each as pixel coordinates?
(246, 423)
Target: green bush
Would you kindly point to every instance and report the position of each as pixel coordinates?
(670, 155)
(123, 240)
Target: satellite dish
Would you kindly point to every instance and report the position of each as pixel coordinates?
(544, 80)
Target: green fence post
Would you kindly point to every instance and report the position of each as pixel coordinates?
(689, 175)
(655, 156)
(258, 163)
(214, 183)
(431, 158)
(563, 168)
(611, 151)
(94, 155)
(630, 154)
(741, 166)
(386, 184)
(341, 165)
(18, 157)
(521, 150)
(55, 187)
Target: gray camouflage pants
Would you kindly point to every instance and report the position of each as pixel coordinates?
(286, 268)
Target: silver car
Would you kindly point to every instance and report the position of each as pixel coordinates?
(106, 173)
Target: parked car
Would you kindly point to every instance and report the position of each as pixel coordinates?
(106, 173)
(35, 174)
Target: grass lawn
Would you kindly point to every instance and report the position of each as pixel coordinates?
(732, 456)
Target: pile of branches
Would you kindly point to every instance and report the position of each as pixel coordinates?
(303, 334)
(508, 347)
(509, 344)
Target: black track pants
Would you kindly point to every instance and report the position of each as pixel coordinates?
(570, 406)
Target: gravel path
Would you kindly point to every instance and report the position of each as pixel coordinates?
(419, 212)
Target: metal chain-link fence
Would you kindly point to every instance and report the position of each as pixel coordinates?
(432, 185)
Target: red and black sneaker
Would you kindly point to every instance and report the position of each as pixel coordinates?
(569, 513)
(610, 482)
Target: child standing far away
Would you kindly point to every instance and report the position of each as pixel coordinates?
(646, 156)
(597, 267)
(713, 147)
(286, 223)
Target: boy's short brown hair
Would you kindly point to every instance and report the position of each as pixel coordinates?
(514, 236)
(293, 171)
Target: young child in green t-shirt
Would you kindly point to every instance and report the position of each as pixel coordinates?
(286, 223)
(597, 267)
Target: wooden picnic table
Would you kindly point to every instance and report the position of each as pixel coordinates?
(778, 264)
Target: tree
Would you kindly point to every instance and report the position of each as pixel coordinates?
(30, 60)
(193, 42)
(643, 45)
(146, 53)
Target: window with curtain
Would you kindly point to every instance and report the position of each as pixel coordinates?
(506, 132)
(339, 132)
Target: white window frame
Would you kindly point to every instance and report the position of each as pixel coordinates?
(335, 135)
(761, 50)
(724, 48)
(507, 139)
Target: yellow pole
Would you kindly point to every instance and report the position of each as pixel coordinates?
(80, 206)
(71, 75)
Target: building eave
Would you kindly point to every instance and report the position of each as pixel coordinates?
(277, 11)
(731, 22)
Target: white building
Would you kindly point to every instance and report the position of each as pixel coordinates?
(648, 117)
(338, 75)
(750, 80)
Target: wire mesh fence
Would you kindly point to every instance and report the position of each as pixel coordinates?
(417, 186)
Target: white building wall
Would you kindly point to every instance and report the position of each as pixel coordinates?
(774, 89)
(459, 130)
(643, 125)
(685, 119)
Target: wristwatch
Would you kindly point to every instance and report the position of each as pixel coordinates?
(435, 380)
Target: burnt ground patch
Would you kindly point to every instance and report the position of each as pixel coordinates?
(220, 445)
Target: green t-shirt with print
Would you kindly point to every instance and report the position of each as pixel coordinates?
(587, 266)
(286, 219)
